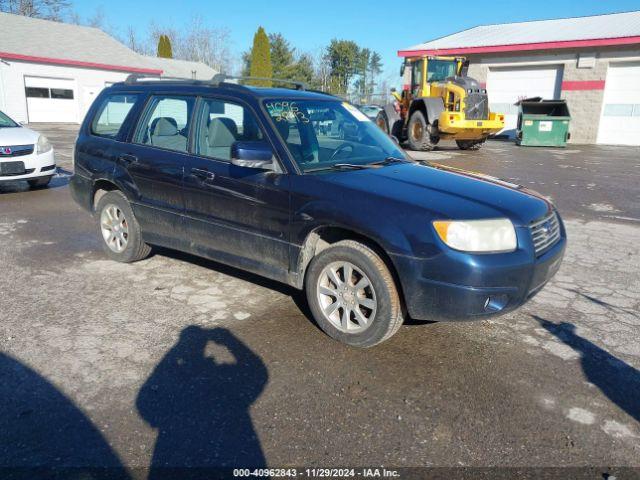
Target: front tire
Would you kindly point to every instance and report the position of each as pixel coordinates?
(420, 133)
(352, 295)
(119, 229)
(40, 182)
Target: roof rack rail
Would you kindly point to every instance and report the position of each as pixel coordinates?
(315, 90)
(222, 78)
(138, 77)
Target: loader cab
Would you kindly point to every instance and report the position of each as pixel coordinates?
(417, 75)
(423, 71)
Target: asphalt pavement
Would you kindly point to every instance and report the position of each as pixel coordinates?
(178, 361)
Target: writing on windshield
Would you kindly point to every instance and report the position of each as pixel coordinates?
(286, 111)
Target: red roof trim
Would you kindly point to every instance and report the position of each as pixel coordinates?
(78, 63)
(583, 85)
(598, 42)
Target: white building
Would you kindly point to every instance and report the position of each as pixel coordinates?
(592, 62)
(51, 72)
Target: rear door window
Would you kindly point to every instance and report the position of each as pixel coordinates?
(112, 113)
(166, 123)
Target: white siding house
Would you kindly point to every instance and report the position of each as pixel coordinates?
(52, 72)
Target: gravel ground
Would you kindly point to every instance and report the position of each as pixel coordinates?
(178, 361)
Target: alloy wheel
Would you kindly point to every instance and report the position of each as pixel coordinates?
(114, 228)
(346, 297)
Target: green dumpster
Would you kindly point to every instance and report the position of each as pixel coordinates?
(542, 123)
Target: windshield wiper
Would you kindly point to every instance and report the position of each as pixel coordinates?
(390, 160)
(354, 166)
(340, 166)
(361, 166)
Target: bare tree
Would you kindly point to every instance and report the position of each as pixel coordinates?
(98, 20)
(46, 9)
(322, 67)
(132, 41)
(205, 44)
(197, 42)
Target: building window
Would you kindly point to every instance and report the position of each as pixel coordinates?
(62, 93)
(37, 92)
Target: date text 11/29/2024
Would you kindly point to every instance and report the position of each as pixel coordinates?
(373, 472)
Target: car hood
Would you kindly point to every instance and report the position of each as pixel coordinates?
(447, 192)
(17, 136)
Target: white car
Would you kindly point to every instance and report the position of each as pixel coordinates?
(24, 154)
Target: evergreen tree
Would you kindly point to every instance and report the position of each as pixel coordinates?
(343, 60)
(282, 56)
(164, 47)
(261, 59)
(375, 68)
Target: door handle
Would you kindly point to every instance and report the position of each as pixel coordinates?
(128, 158)
(204, 175)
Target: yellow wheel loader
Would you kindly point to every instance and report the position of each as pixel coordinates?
(439, 102)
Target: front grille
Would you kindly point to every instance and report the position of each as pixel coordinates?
(545, 233)
(476, 106)
(24, 172)
(15, 151)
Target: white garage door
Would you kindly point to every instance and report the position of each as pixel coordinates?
(620, 119)
(505, 86)
(51, 99)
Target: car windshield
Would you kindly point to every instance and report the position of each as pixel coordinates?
(6, 122)
(323, 135)
(438, 70)
(370, 110)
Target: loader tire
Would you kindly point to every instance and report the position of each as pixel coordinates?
(420, 133)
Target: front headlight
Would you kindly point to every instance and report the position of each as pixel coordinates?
(43, 145)
(496, 235)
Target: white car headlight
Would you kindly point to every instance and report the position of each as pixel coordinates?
(43, 145)
(496, 235)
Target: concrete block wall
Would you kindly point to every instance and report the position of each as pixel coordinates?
(584, 100)
(585, 107)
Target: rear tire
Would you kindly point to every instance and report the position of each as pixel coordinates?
(361, 308)
(420, 133)
(469, 144)
(119, 230)
(40, 182)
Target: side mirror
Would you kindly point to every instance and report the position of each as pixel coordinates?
(402, 70)
(254, 154)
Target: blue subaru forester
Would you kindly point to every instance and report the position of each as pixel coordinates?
(303, 188)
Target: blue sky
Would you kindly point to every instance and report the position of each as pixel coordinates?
(383, 26)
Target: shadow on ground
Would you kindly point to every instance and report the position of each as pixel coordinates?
(298, 296)
(198, 401)
(44, 435)
(619, 381)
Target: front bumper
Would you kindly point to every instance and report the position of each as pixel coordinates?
(453, 125)
(35, 165)
(459, 286)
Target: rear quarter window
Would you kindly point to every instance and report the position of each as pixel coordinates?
(112, 113)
